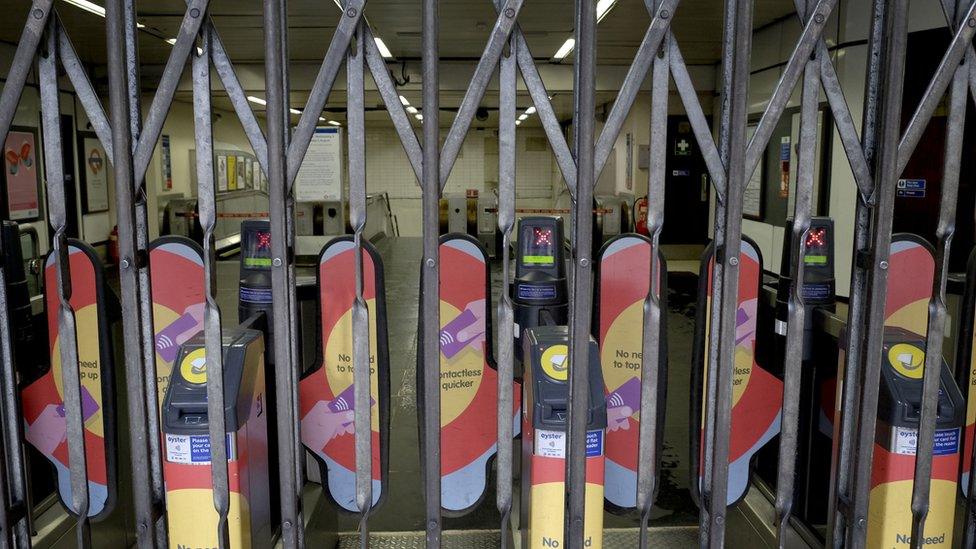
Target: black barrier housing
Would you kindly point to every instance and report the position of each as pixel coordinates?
(539, 292)
(382, 364)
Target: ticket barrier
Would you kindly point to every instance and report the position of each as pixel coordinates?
(191, 517)
(545, 425)
(893, 468)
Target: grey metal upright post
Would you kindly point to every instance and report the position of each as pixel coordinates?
(840, 486)
(648, 459)
(507, 94)
(288, 457)
(430, 274)
(886, 175)
(67, 333)
(723, 334)
(582, 289)
(148, 509)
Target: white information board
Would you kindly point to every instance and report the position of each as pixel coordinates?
(320, 175)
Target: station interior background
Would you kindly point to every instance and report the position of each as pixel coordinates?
(547, 24)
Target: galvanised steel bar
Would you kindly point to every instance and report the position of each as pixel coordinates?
(796, 306)
(961, 40)
(166, 89)
(391, 98)
(949, 10)
(723, 334)
(133, 297)
(649, 47)
(322, 87)
(648, 458)
(356, 126)
(696, 116)
(478, 85)
(505, 356)
(844, 121)
(582, 286)
(550, 124)
(145, 289)
(207, 205)
(718, 239)
(429, 342)
(886, 176)
(931, 384)
(15, 519)
(282, 292)
(812, 32)
(20, 67)
(232, 85)
(67, 333)
(83, 89)
(840, 482)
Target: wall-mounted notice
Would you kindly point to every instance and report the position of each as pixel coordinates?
(20, 172)
(221, 172)
(753, 195)
(167, 162)
(95, 182)
(320, 175)
(231, 173)
(241, 172)
(249, 173)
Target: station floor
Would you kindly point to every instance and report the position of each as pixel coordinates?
(676, 515)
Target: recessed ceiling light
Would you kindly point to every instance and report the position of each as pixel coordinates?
(517, 122)
(523, 117)
(411, 109)
(384, 51)
(530, 110)
(564, 50)
(419, 116)
(603, 7)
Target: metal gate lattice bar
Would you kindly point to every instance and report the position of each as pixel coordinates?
(876, 157)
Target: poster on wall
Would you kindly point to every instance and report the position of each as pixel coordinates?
(752, 199)
(167, 163)
(231, 172)
(249, 174)
(320, 175)
(20, 175)
(241, 172)
(221, 172)
(784, 170)
(94, 182)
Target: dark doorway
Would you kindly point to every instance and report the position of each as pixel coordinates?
(687, 187)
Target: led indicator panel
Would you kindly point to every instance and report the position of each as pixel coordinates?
(256, 249)
(539, 247)
(817, 245)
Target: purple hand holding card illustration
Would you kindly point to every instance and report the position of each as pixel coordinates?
(451, 342)
(169, 339)
(622, 403)
(48, 431)
(346, 402)
(88, 405)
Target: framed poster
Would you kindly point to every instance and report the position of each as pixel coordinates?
(94, 175)
(242, 172)
(249, 173)
(21, 175)
(752, 200)
(320, 175)
(221, 172)
(167, 163)
(231, 172)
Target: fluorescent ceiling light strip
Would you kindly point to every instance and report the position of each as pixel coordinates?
(92, 7)
(564, 50)
(404, 101)
(603, 7)
(381, 45)
(334, 123)
(411, 109)
(257, 100)
(530, 110)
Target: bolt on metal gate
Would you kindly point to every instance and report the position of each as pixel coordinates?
(877, 156)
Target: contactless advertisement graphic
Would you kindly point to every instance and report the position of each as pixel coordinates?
(176, 271)
(622, 287)
(469, 383)
(327, 407)
(45, 417)
(757, 395)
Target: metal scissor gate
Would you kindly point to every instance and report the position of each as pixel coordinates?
(877, 156)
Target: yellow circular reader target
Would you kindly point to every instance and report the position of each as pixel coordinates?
(193, 368)
(555, 362)
(907, 360)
